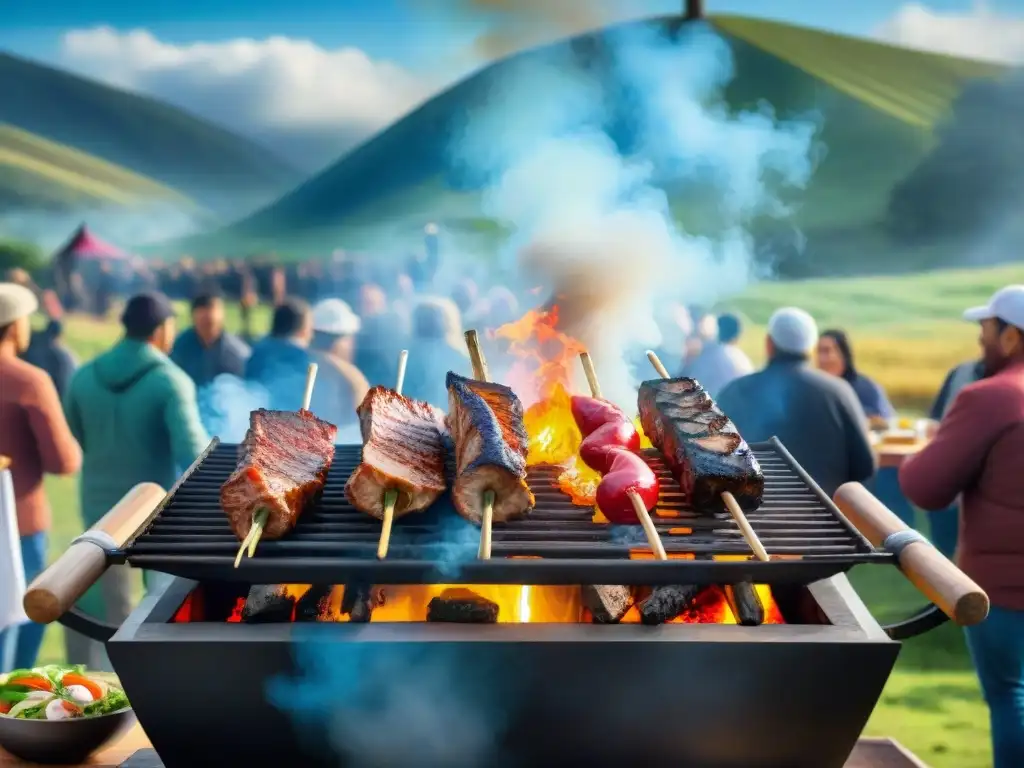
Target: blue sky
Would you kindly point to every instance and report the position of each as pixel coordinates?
(407, 31)
(310, 78)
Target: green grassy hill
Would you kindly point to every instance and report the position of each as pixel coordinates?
(41, 174)
(877, 103)
(151, 140)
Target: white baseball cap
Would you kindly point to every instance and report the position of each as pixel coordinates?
(1006, 304)
(793, 330)
(16, 302)
(336, 317)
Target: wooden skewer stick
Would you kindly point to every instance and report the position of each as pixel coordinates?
(749, 535)
(591, 374)
(261, 515)
(638, 504)
(310, 381)
(391, 494)
(403, 359)
(476, 357)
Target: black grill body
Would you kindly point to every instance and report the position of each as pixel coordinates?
(558, 543)
(700, 695)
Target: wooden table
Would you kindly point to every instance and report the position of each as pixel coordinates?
(892, 454)
(869, 753)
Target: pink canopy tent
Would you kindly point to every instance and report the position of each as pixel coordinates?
(84, 245)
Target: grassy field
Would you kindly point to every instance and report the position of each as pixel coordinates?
(142, 136)
(52, 174)
(907, 335)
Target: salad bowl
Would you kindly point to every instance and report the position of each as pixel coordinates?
(61, 714)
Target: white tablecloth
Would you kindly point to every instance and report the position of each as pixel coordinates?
(12, 572)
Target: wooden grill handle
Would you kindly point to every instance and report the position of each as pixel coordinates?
(60, 586)
(949, 588)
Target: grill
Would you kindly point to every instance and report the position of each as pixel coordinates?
(558, 543)
(791, 695)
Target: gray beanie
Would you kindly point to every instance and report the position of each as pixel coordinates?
(792, 330)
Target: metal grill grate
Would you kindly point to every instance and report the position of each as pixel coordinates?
(558, 543)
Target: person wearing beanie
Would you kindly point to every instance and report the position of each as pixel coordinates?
(34, 441)
(816, 416)
(720, 360)
(135, 414)
(340, 385)
(279, 361)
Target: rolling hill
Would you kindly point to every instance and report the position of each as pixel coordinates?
(166, 151)
(43, 175)
(878, 104)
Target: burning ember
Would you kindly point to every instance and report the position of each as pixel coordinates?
(488, 604)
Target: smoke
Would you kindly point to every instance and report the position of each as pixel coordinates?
(126, 227)
(575, 157)
(399, 704)
(579, 157)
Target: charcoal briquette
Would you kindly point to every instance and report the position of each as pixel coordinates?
(268, 604)
(665, 603)
(745, 603)
(462, 606)
(607, 603)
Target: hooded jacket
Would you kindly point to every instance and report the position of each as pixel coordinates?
(135, 415)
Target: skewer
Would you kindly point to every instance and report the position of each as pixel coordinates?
(480, 373)
(638, 505)
(307, 396)
(391, 494)
(591, 374)
(749, 535)
(261, 515)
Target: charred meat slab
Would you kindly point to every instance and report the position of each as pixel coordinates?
(701, 445)
(402, 451)
(283, 466)
(486, 424)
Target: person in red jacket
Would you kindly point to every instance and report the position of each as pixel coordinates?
(977, 454)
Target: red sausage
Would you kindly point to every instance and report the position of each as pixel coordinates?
(591, 413)
(599, 447)
(628, 472)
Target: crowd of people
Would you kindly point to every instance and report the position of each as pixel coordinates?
(145, 409)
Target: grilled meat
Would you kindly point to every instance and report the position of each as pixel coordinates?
(282, 466)
(402, 451)
(702, 447)
(486, 424)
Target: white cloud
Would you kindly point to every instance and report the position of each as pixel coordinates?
(979, 33)
(280, 89)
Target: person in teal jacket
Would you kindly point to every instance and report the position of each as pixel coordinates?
(134, 412)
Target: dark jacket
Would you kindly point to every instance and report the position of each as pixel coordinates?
(203, 364)
(956, 380)
(976, 454)
(816, 416)
(872, 397)
(279, 366)
(48, 352)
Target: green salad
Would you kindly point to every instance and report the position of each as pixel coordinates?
(59, 693)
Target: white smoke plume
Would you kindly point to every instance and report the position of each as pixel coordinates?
(593, 221)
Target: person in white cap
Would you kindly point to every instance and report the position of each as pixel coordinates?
(816, 416)
(36, 440)
(340, 386)
(977, 454)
